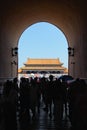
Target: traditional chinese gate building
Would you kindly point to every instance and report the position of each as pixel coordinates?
(43, 66)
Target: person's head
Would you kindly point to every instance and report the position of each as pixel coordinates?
(51, 77)
(15, 80)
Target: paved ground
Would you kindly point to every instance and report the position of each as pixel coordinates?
(42, 122)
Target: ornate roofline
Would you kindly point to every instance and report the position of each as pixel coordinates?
(44, 64)
(43, 61)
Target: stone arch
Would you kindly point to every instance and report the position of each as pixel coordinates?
(69, 16)
(47, 27)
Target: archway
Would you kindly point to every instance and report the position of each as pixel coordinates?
(69, 16)
(43, 40)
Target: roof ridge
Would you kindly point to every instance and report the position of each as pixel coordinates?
(43, 58)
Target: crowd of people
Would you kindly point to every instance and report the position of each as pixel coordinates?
(57, 96)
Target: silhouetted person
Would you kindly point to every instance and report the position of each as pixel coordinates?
(58, 103)
(9, 106)
(33, 97)
(64, 86)
(44, 92)
(50, 93)
(77, 104)
(24, 102)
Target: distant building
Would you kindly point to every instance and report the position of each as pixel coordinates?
(40, 67)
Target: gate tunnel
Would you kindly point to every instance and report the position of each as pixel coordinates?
(70, 16)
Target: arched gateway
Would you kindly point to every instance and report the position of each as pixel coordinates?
(69, 15)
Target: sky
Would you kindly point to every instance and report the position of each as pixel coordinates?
(42, 40)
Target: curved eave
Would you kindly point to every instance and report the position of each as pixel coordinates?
(43, 68)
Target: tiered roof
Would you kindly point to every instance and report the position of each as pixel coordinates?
(43, 62)
(42, 65)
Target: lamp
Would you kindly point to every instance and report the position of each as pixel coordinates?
(71, 51)
(14, 51)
